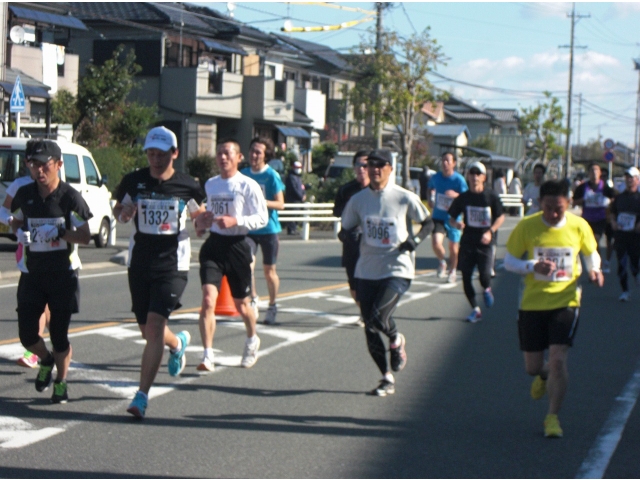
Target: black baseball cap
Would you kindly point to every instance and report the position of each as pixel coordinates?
(43, 150)
(381, 156)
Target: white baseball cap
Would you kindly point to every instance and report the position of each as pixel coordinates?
(478, 166)
(632, 171)
(161, 138)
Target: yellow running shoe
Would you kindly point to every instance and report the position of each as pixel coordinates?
(538, 388)
(552, 426)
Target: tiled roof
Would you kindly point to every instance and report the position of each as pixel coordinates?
(322, 52)
(446, 130)
(504, 114)
(131, 11)
(469, 115)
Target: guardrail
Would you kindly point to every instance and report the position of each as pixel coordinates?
(513, 200)
(309, 213)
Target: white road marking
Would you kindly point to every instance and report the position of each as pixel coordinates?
(599, 456)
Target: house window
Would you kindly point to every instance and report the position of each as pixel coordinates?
(215, 81)
(269, 71)
(280, 92)
(173, 57)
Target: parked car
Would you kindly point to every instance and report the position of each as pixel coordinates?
(78, 169)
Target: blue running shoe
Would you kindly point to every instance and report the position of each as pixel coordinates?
(178, 360)
(138, 405)
(488, 298)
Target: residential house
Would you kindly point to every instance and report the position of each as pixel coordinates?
(37, 50)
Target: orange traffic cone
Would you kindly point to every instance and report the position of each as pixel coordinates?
(224, 304)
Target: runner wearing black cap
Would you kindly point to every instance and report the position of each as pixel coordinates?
(54, 218)
(386, 265)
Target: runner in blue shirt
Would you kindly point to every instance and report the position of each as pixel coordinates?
(444, 186)
(260, 152)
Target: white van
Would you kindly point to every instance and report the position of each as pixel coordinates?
(78, 169)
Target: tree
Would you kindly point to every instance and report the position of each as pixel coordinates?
(105, 117)
(485, 142)
(398, 70)
(542, 125)
(64, 107)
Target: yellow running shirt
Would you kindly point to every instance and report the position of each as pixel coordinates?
(560, 245)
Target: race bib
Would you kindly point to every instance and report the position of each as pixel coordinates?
(381, 232)
(443, 202)
(221, 205)
(595, 199)
(38, 244)
(479, 217)
(158, 217)
(562, 257)
(626, 222)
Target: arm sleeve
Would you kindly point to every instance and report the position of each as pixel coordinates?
(517, 265)
(350, 218)
(592, 262)
(255, 213)
(121, 191)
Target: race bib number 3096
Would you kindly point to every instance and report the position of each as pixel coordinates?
(381, 232)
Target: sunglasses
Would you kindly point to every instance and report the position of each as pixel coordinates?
(376, 163)
(360, 165)
(38, 165)
(475, 172)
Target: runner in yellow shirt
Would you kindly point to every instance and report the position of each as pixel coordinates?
(544, 247)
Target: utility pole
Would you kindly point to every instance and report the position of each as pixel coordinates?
(636, 133)
(571, 48)
(378, 121)
(579, 119)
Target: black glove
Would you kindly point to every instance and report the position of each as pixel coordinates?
(409, 245)
(343, 235)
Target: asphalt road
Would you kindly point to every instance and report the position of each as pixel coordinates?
(462, 407)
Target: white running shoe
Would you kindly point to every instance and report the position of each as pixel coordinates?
(250, 354)
(624, 297)
(451, 278)
(206, 365)
(270, 317)
(442, 269)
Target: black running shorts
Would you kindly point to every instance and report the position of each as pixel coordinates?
(157, 292)
(228, 256)
(269, 244)
(538, 329)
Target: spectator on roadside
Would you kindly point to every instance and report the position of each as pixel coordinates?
(499, 183)
(294, 192)
(531, 193)
(515, 188)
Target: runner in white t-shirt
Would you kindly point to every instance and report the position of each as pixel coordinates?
(386, 265)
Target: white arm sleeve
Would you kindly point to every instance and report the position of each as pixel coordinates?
(516, 265)
(5, 215)
(592, 262)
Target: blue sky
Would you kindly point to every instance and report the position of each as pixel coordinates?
(510, 47)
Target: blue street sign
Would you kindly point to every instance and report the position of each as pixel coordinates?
(609, 156)
(608, 144)
(17, 100)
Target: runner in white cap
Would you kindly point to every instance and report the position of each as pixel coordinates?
(625, 218)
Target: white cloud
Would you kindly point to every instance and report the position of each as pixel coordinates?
(545, 9)
(596, 59)
(622, 9)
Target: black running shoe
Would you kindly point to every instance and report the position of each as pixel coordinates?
(385, 388)
(59, 392)
(44, 377)
(398, 354)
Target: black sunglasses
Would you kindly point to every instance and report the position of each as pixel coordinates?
(475, 172)
(376, 163)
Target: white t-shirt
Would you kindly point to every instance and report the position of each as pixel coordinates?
(382, 216)
(532, 192)
(240, 197)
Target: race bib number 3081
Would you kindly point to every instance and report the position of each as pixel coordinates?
(381, 232)
(563, 259)
(158, 217)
